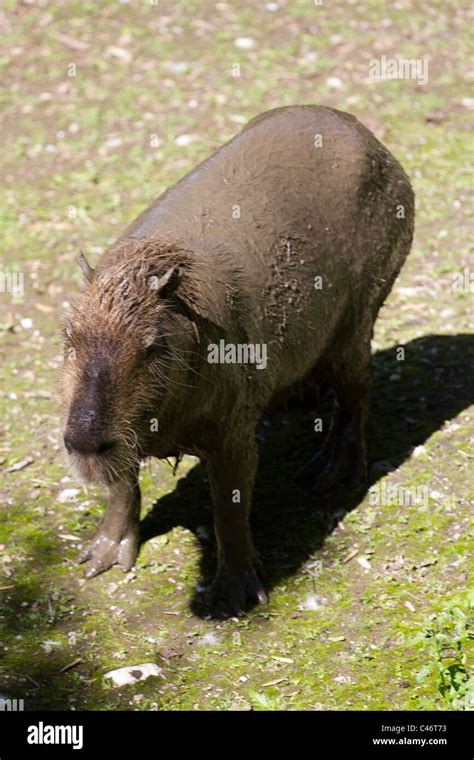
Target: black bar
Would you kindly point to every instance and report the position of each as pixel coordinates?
(311, 734)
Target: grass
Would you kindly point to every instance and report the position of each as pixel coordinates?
(445, 643)
(370, 615)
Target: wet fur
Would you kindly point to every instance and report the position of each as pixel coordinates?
(250, 280)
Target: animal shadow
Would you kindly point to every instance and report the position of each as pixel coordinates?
(289, 522)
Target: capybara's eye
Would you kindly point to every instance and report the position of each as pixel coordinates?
(150, 353)
(153, 349)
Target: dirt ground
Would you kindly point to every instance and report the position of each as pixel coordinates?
(103, 106)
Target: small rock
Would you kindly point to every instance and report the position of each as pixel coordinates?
(113, 142)
(177, 67)
(169, 653)
(436, 117)
(418, 451)
(184, 140)
(335, 83)
(133, 673)
(209, 639)
(244, 43)
(69, 494)
(312, 603)
(49, 644)
(117, 52)
(240, 705)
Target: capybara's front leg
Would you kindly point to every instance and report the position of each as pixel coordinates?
(231, 474)
(116, 541)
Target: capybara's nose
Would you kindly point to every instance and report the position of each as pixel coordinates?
(88, 445)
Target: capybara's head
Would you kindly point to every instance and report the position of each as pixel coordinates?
(122, 353)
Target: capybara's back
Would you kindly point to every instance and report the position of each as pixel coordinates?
(265, 266)
(309, 213)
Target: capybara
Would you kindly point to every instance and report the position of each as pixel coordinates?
(265, 265)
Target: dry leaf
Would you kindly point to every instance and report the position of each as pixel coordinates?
(350, 556)
(20, 465)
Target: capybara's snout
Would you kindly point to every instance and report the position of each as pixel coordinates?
(86, 434)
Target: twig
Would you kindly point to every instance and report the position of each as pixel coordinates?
(71, 665)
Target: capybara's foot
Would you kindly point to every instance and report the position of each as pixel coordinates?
(327, 468)
(341, 459)
(234, 591)
(346, 466)
(103, 552)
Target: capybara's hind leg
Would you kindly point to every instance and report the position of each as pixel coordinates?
(343, 456)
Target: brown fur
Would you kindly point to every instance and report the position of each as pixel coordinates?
(117, 318)
(135, 354)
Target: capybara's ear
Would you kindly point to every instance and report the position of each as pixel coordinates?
(167, 283)
(86, 268)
